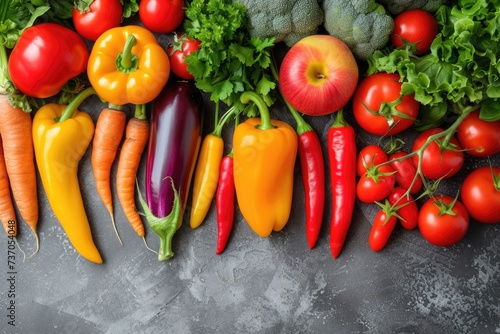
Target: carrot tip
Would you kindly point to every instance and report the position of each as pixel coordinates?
(37, 245)
(147, 246)
(114, 227)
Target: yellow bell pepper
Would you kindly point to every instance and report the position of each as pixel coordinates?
(61, 135)
(264, 153)
(127, 65)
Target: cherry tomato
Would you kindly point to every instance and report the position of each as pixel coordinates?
(379, 107)
(161, 16)
(437, 161)
(480, 194)
(406, 172)
(102, 15)
(442, 221)
(408, 210)
(376, 184)
(478, 137)
(182, 47)
(415, 26)
(381, 230)
(369, 156)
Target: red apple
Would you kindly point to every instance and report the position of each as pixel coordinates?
(318, 75)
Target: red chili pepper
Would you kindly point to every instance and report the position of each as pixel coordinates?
(224, 202)
(313, 176)
(342, 157)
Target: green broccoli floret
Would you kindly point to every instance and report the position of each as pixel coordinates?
(363, 25)
(398, 6)
(285, 20)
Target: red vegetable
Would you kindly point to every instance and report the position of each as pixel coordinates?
(478, 137)
(182, 47)
(406, 172)
(376, 184)
(480, 194)
(406, 207)
(91, 21)
(439, 159)
(161, 16)
(45, 57)
(224, 202)
(382, 227)
(342, 158)
(443, 221)
(370, 156)
(379, 107)
(417, 27)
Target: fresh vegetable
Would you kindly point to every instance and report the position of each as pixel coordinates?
(406, 172)
(182, 47)
(478, 137)
(398, 6)
(229, 60)
(363, 25)
(137, 132)
(369, 157)
(61, 135)
(380, 109)
(416, 29)
(92, 18)
(460, 73)
(443, 220)
(107, 138)
(441, 159)
(342, 159)
(127, 65)
(318, 75)
(7, 211)
(405, 207)
(284, 20)
(15, 135)
(376, 184)
(161, 16)
(264, 157)
(382, 227)
(225, 202)
(175, 138)
(480, 193)
(45, 57)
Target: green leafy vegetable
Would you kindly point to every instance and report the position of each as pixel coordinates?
(461, 72)
(229, 60)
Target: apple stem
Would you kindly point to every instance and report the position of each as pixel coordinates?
(265, 117)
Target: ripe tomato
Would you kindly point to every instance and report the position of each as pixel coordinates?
(376, 184)
(406, 172)
(437, 161)
(478, 137)
(379, 107)
(370, 156)
(90, 22)
(408, 210)
(480, 194)
(182, 47)
(161, 16)
(415, 26)
(381, 230)
(442, 221)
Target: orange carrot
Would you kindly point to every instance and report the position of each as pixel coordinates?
(107, 137)
(136, 138)
(7, 211)
(15, 130)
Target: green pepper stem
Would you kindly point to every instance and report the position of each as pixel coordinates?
(75, 103)
(265, 117)
(231, 112)
(140, 111)
(339, 120)
(126, 61)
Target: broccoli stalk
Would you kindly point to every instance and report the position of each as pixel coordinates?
(363, 25)
(285, 20)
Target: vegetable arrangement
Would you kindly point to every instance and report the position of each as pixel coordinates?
(440, 82)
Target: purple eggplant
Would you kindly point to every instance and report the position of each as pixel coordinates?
(174, 142)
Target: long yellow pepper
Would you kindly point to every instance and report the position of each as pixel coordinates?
(61, 135)
(264, 152)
